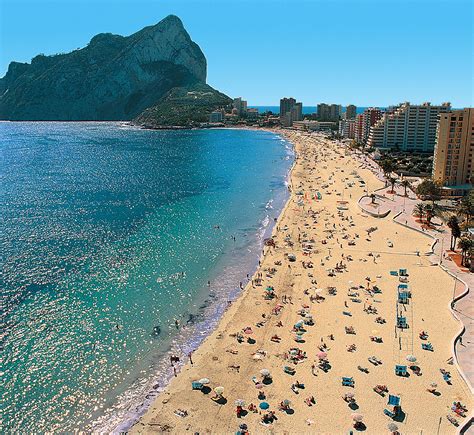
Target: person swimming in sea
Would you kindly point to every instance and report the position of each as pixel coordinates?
(156, 331)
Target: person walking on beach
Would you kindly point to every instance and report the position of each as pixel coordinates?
(190, 354)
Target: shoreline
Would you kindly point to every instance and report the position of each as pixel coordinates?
(145, 424)
(194, 336)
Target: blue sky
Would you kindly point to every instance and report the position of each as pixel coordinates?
(367, 52)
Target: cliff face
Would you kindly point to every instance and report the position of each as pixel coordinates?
(113, 78)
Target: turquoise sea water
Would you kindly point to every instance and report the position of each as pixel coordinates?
(110, 233)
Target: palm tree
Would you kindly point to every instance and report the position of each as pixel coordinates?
(419, 210)
(406, 184)
(392, 181)
(465, 245)
(453, 224)
(428, 189)
(388, 167)
(466, 208)
(430, 212)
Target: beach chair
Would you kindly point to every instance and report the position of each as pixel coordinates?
(197, 386)
(389, 413)
(447, 377)
(393, 400)
(393, 273)
(427, 346)
(380, 389)
(400, 370)
(289, 370)
(402, 322)
(403, 297)
(347, 382)
(347, 313)
(406, 288)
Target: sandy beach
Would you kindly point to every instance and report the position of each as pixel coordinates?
(322, 304)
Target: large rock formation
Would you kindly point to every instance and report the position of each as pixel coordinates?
(113, 78)
(183, 107)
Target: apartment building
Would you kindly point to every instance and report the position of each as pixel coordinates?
(454, 149)
(407, 127)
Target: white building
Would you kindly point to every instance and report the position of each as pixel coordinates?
(313, 125)
(407, 127)
(216, 116)
(347, 128)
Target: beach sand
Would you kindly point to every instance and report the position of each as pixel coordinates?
(322, 166)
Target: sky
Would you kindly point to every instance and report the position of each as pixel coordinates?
(363, 52)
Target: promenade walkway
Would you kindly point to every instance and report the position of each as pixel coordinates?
(463, 281)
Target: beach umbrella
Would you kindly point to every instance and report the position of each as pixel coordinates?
(204, 381)
(219, 391)
(357, 417)
(433, 385)
(264, 405)
(318, 290)
(299, 333)
(375, 331)
(322, 355)
(248, 331)
(411, 358)
(299, 324)
(349, 395)
(265, 372)
(243, 426)
(392, 427)
(286, 402)
(240, 402)
(259, 386)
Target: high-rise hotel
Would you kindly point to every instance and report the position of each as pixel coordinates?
(407, 127)
(364, 121)
(290, 111)
(454, 150)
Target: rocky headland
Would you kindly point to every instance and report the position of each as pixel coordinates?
(157, 77)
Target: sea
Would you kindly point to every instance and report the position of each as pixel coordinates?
(121, 247)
